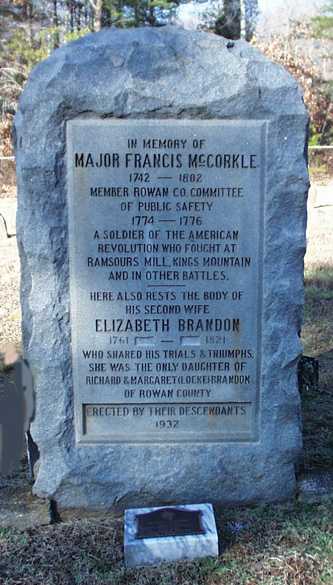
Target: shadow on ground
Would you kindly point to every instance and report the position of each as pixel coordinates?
(317, 337)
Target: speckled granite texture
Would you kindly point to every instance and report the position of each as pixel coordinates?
(159, 73)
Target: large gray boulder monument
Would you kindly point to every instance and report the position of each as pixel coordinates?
(162, 185)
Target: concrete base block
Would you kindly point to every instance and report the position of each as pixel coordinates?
(156, 550)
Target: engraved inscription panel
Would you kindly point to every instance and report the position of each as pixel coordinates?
(165, 235)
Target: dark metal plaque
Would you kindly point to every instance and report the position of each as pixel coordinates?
(169, 522)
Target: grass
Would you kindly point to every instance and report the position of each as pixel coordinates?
(267, 545)
(317, 337)
(317, 331)
(321, 165)
(320, 173)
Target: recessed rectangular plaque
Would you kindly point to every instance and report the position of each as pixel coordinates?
(165, 240)
(169, 522)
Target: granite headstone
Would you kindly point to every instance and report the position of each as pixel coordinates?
(162, 185)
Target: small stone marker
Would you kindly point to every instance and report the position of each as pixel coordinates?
(162, 185)
(157, 535)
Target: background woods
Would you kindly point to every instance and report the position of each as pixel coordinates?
(31, 29)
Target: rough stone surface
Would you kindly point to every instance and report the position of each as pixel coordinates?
(153, 551)
(158, 73)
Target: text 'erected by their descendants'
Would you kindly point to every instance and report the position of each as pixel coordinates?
(165, 236)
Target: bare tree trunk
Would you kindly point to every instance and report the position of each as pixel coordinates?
(98, 15)
(251, 15)
(229, 25)
(92, 20)
(85, 14)
(120, 13)
(136, 13)
(56, 40)
(107, 14)
(151, 15)
(30, 14)
(78, 14)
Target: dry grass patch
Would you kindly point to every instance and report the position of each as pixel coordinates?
(268, 545)
(317, 337)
